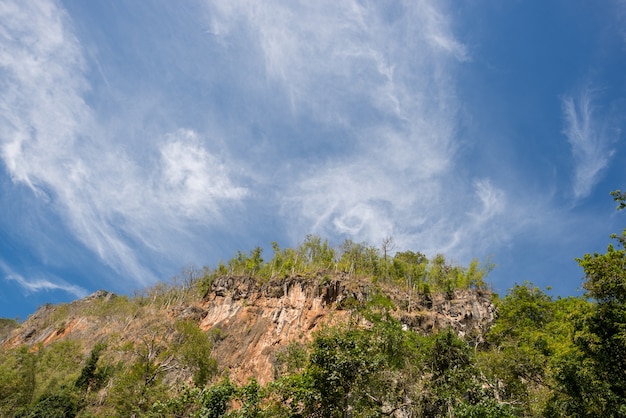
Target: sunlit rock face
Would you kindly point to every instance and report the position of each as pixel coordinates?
(256, 320)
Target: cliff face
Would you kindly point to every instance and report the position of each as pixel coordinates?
(250, 321)
(258, 319)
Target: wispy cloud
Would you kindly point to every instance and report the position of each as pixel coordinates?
(119, 198)
(589, 139)
(193, 179)
(439, 34)
(39, 284)
(399, 173)
(334, 117)
(41, 71)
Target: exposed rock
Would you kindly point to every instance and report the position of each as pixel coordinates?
(257, 319)
(99, 294)
(252, 319)
(189, 313)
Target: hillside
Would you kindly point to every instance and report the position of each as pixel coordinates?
(320, 332)
(253, 320)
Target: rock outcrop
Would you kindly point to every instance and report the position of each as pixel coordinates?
(255, 320)
(250, 320)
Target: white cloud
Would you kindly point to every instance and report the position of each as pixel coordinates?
(589, 140)
(329, 56)
(38, 285)
(438, 32)
(342, 113)
(194, 180)
(40, 65)
(32, 285)
(380, 78)
(120, 195)
(491, 198)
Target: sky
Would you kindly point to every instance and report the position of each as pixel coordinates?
(142, 138)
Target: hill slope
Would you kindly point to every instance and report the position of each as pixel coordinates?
(249, 321)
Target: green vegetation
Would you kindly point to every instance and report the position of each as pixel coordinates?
(6, 326)
(314, 257)
(543, 356)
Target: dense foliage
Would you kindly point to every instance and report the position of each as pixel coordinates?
(543, 357)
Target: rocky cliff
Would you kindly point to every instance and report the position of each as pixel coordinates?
(250, 321)
(258, 319)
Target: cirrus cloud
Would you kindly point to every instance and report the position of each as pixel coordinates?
(118, 200)
(590, 141)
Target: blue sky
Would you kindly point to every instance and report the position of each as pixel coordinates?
(140, 138)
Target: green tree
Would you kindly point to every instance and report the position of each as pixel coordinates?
(316, 254)
(215, 400)
(290, 359)
(339, 362)
(61, 404)
(18, 370)
(193, 348)
(620, 198)
(138, 383)
(474, 275)
(591, 380)
(92, 378)
(530, 336)
(345, 374)
(359, 259)
(410, 269)
(602, 332)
